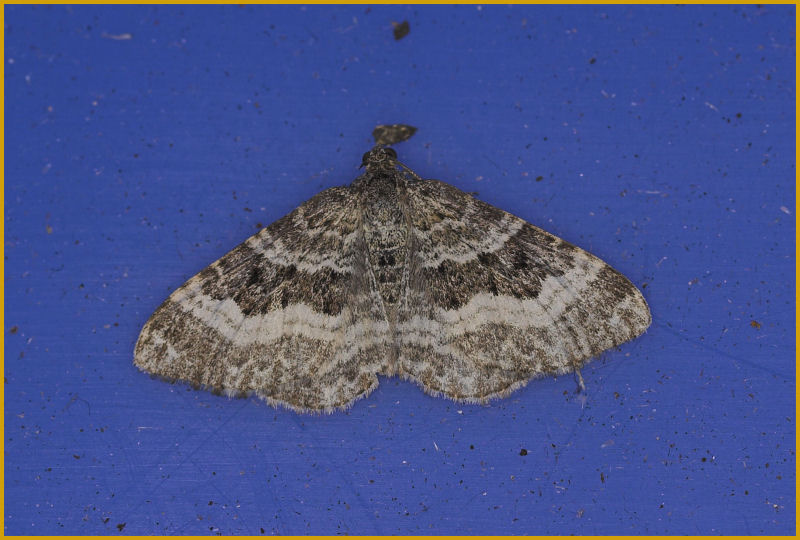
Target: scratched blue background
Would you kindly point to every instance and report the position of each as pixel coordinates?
(142, 143)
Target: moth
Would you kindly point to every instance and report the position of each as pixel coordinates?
(391, 275)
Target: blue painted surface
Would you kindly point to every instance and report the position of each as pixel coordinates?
(659, 138)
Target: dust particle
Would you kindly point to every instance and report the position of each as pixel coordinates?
(401, 30)
(392, 133)
(118, 37)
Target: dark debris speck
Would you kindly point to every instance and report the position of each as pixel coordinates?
(401, 30)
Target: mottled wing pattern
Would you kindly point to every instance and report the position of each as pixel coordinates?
(493, 301)
(290, 314)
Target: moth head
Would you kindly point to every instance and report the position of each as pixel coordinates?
(379, 157)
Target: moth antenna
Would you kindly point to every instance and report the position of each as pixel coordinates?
(408, 170)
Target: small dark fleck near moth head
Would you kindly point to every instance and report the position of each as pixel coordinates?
(379, 159)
